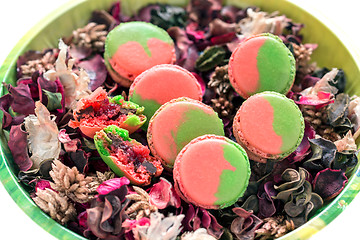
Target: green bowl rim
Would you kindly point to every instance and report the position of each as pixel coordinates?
(15, 190)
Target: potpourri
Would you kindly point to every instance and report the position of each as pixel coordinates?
(63, 170)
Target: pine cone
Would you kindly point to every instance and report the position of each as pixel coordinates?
(56, 205)
(318, 120)
(92, 36)
(302, 56)
(274, 227)
(141, 206)
(220, 82)
(43, 64)
(70, 182)
(223, 106)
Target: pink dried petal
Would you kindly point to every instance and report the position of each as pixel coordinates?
(193, 33)
(42, 184)
(200, 81)
(111, 185)
(129, 224)
(319, 100)
(82, 218)
(162, 194)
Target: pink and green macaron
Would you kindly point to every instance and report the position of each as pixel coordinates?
(269, 126)
(261, 63)
(134, 47)
(176, 123)
(160, 84)
(211, 172)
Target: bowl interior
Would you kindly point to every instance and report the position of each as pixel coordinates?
(76, 14)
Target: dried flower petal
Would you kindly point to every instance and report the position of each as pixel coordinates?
(245, 225)
(261, 22)
(199, 234)
(19, 147)
(96, 70)
(43, 136)
(323, 154)
(111, 185)
(165, 228)
(328, 183)
(162, 195)
(22, 100)
(75, 87)
(304, 148)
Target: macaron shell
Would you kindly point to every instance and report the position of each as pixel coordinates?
(261, 63)
(269, 125)
(162, 83)
(134, 47)
(176, 123)
(219, 167)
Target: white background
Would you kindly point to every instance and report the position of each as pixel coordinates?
(18, 16)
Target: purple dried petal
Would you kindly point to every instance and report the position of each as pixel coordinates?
(209, 222)
(309, 81)
(267, 206)
(5, 103)
(80, 159)
(328, 183)
(189, 215)
(19, 148)
(96, 70)
(144, 14)
(78, 52)
(111, 185)
(304, 148)
(182, 43)
(23, 102)
(192, 56)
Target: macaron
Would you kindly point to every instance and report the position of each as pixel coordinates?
(211, 172)
(269, 126)
(133, 47)
(261, 63)
(160, 84)
(176, 123)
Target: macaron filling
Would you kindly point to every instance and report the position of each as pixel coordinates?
(126, 156)
(98, 111)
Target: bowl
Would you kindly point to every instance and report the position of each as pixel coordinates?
(76, 14)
